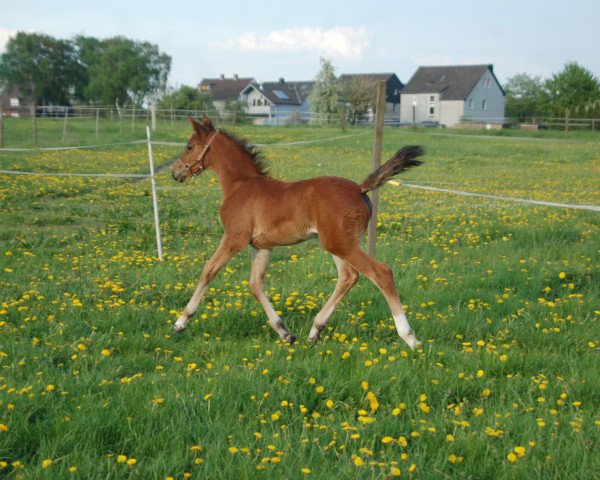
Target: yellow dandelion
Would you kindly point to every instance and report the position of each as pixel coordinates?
(46, 463)
(520, 451)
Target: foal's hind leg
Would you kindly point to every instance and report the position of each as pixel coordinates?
(260, 260)
(227, 249)
(381, 274)
(347, 277)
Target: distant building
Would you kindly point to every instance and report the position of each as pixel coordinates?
(223, 90)
(447, 95)
(276, 103)
(393, 88)
(12, 101)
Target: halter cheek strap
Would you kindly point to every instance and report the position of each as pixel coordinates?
(200, 157)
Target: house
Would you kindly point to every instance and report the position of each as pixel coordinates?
(393, 87)
(223, 90)
(276, 103)
(449, 95)
(12, 101)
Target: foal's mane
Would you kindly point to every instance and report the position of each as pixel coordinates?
(251, 151)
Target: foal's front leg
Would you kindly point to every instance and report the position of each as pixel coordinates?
(225, 251)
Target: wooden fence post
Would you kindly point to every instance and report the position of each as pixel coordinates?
(1, 126)
(33, 123)
(97, 122)
(64, 132)
(379, 114)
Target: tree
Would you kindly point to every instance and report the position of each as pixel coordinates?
(122, 70)
(187, 98)
(43, 68)
(522, 96)
(46, 70)
(326, 94)
(360, 96)
(235, 112)
(570, 92)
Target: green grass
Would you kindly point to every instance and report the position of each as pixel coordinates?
(505, 297)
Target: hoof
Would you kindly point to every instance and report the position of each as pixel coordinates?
(289, 338)
(312, 341)
(413, 343)
(178, 328)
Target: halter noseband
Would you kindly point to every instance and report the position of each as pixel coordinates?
(200, 157)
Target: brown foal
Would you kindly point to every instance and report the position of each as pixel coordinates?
(264, 212)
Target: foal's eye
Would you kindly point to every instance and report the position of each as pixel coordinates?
(189, 147)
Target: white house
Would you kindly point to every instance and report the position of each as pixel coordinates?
(276, 103)
(453, 94)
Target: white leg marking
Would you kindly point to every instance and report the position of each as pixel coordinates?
(404, 330)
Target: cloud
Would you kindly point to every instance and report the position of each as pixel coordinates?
(5, 35)
(345, 42)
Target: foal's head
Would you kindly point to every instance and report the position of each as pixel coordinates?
(194, 158)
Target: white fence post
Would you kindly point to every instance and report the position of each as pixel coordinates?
(154, 200)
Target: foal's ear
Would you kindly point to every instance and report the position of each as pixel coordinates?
(207, 122)
(202, 128)
(198, 127)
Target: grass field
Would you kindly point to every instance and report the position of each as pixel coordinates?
(505, 297)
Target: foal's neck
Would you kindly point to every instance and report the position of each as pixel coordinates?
(233, 166)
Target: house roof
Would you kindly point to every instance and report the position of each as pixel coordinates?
(453, 82)
(371, 76)
(223, 89)
(282, 92)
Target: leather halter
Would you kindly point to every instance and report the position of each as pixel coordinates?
(200, 157)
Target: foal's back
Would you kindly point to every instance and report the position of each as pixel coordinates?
(274, 212)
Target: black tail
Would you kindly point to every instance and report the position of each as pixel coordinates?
(404, 159)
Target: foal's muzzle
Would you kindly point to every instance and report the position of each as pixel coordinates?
(178, 174)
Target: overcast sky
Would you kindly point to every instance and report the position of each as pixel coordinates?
(278, 38)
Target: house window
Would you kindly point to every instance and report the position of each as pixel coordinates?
(471, 104)
(14, 102)
(484, 105)
(431, 110)
(432, 98)
(204, 88)
(486, 83)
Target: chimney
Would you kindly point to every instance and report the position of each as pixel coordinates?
(235, 76)
(281, 80)
(222, 76)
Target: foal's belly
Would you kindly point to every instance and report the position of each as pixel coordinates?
(271, 239)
